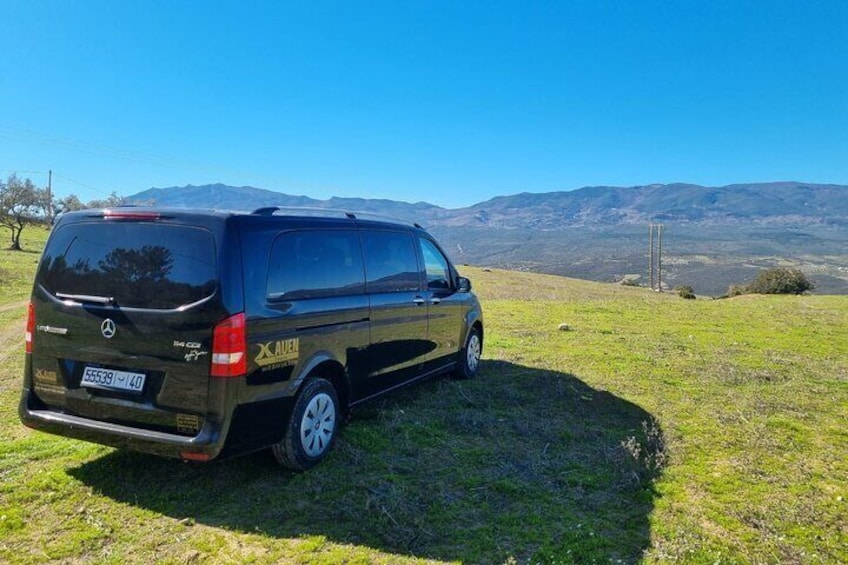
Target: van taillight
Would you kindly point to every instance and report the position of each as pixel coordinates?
(30, 327)
(229, 347)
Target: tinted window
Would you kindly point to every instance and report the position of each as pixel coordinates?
(139, 265)
(438, 273)
(311, 264)
(390, 261)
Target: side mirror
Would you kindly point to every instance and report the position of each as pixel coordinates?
(463, 284)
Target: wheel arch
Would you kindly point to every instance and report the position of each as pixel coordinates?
(329, 369)
(474, 320)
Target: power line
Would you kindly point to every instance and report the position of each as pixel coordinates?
(151, 159)
(82, 184)
(63, 177)
(110, 151)
(24, 172)
(77, 145)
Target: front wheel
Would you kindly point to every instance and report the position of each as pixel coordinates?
(312, 427)
(469, 355)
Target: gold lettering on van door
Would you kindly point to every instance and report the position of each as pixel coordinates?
(47, 381)
(43, 376)
(284, 351)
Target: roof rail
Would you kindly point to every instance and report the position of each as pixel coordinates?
(302, 211)
(266, 211)
(307, 211)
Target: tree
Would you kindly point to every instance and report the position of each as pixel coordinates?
(111, 202)
(780, 280)
(72, 203)
(69, 203)
(21, 203)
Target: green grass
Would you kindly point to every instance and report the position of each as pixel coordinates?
(18, 267)
(657, 429)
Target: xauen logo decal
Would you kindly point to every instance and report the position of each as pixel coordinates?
(47, 381)
(280, 352)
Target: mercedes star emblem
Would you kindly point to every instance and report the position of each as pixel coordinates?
(108, 328)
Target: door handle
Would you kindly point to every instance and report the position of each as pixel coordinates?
(435, 300)
(418, 300)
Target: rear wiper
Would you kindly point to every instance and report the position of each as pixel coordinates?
(87, 298)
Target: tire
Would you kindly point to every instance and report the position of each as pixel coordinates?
(312, 427)
(469, 356)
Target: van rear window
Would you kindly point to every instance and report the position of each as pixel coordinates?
(137, 265)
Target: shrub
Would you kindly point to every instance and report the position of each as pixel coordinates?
(780, 280)
(737, 290)
(685, 291)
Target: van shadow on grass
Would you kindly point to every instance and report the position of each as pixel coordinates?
(519, 462)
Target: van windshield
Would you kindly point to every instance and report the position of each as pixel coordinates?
(134, 265)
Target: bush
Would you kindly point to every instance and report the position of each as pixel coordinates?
(780, 280)
(685, 291)
(736, 290)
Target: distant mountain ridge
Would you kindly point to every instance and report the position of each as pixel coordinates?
(224, 197)
(766, 203)
(777, 203)
(714, 236)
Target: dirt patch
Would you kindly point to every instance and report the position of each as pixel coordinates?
(12, 306)
(11, 337)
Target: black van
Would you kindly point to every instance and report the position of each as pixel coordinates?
(201, 334)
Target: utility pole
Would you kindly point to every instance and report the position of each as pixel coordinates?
(50, 196)
(651, 254)
(655, 233)
(659, 257)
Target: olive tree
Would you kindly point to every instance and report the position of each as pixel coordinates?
(780, 280)
(72, 203)
(110, 202)
(69, 203)
(21, 204)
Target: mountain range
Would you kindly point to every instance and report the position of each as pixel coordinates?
(779, 203)
(715, 236)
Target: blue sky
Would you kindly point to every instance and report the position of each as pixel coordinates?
(447, 102)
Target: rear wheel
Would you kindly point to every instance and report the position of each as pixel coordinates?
(312, 427)
(469, 355)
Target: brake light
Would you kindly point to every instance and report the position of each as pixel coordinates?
(30, 327)
(129, 215)
(229, 347)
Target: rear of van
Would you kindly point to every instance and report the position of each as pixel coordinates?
(136, 330)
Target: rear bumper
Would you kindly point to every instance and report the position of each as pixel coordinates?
(206, 445)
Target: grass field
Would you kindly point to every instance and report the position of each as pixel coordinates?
(655, 430)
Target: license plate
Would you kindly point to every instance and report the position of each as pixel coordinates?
(110, 379)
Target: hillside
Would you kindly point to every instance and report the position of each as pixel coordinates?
(752, 204)
(655, 430)
(785, 203)
(715, 236)
(223, 197)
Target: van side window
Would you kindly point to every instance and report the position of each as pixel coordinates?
(438, 273)
(391, 264)
(315, 263)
